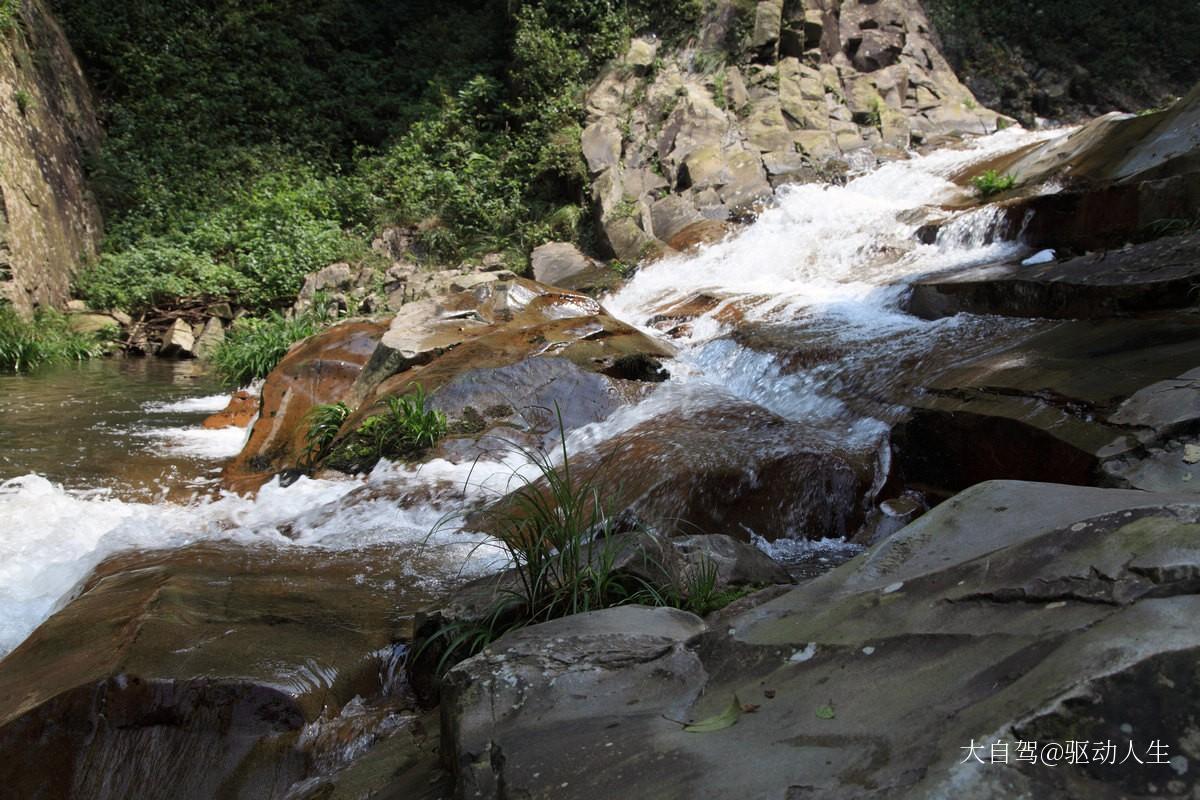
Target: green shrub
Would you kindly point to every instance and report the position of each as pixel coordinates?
(992, 182)
(254, 346)
(47, 339)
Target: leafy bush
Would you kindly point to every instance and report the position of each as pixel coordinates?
(47, 339)
(255, 346)
(992, 182)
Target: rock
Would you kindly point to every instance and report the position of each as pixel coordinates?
(733, 468)
(768, 20)
(1014, 611)
(241, 411)
(210, 338)
(91, 322)
(1155, 276)
(222, 311)
(673, 214)
(556, 262)
(736, 563)
(51, 223)
(178, 341)
(641, 53)
(602, 145)
(562, 686)
(216, 656)
(338, 277)
(320, 369)
(1101, 425)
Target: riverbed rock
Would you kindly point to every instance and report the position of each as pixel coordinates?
(178, 342)
(321, 369)
(1092, 399)
(557, 262)
(241, 411)
(92, 322)
(225, 662)
(211, 335)
(586, 685)
(1015, 611)
(1154, 276)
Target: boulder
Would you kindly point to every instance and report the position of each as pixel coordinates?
(1014, 612)
(735, 563)
(593, 685)
(178, 341)
(1138, 394)
(320, 369)
(211, 336)
(557, 262)
(236, 665)
(601, 145)
(91, 322)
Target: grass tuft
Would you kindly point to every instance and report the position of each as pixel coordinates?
(992, 183)
(47, 339)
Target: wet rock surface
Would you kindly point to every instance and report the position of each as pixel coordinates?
(1159, 275)
(1014, 610)
(213, 670)
(985, 419)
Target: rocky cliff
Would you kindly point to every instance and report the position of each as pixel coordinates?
(48, 219)
(681, 140)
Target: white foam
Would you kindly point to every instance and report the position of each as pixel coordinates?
(205, 443)
(192, 405)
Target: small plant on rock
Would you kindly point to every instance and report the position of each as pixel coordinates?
(992, 183)
(406, 427)
(324, 422)
(255, 346)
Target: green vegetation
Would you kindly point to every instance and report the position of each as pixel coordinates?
(47, 339)
(9, 11)
(405, 428)
(24, 101)
(992, 182)
(324, 422)
(250, 143)
(254, 346)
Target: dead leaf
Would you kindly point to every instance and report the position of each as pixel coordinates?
(749, 708)
(726, 719)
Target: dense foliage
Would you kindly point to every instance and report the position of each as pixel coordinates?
(1070, 58)
(46, 339)
(249, 142)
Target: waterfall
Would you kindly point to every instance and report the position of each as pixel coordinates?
(826, 268)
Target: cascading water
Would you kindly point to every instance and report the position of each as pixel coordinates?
(824, 270)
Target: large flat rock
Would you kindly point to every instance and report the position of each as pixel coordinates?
(1082, 402)
(1159, 275)
(195, 673)
(1016, 611)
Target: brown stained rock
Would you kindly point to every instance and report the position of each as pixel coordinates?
(735, 469)
(241, 411)
(210, 658)
(318, 370)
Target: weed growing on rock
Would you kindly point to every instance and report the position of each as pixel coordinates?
(406, 427)
(324, 422)
(992, 183)
(47, 339)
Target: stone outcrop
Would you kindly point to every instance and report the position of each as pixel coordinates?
(236, 692)
(1016, 611)
(49, 220)
(1156, 276)
(769, 93)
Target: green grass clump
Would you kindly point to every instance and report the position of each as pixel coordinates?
(46, 339)
(255, 345)
(992, 183)
(324, 422)
(570, 553)
(9, 9)
(405, 428)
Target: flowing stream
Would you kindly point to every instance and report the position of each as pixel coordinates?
(87, 451)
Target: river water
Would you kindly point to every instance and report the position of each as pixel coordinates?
(109, 456)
